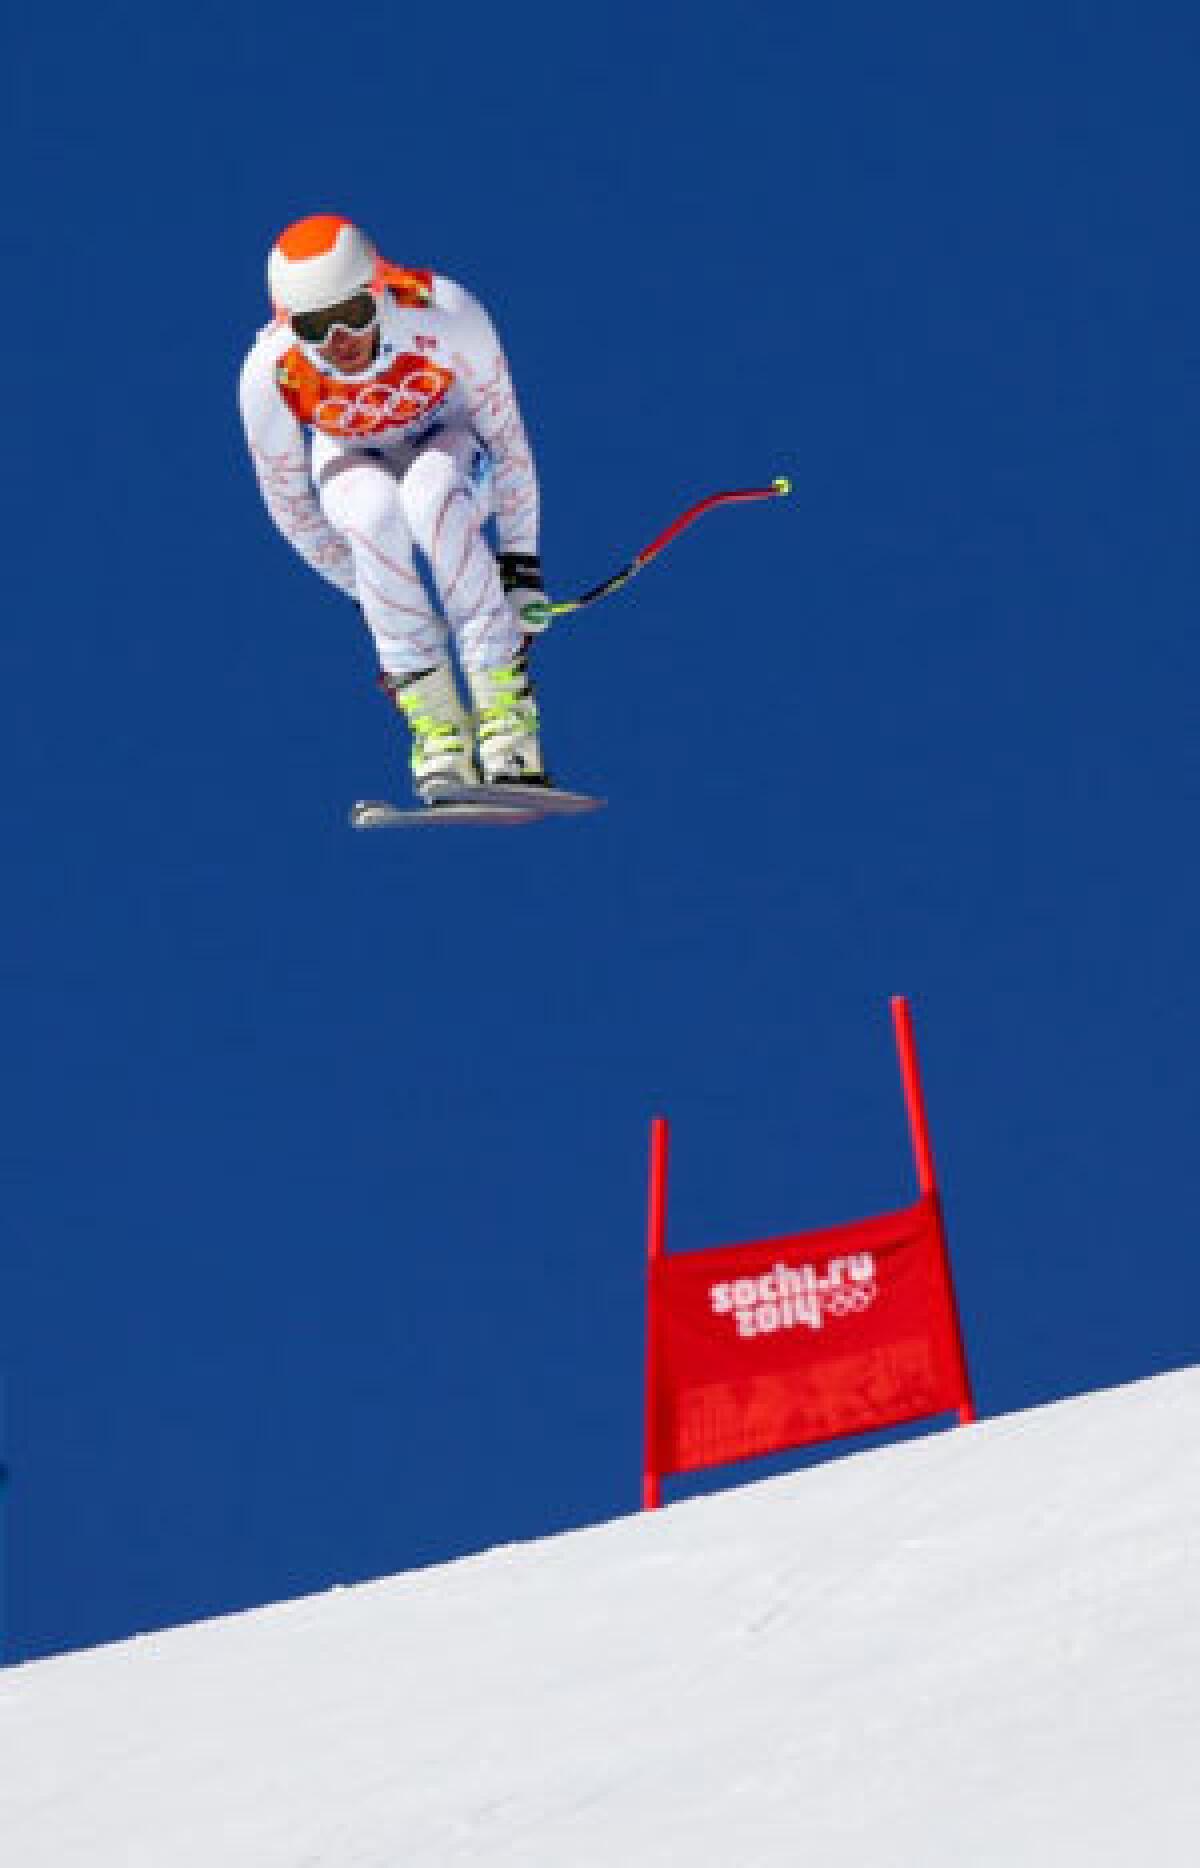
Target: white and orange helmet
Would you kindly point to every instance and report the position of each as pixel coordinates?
(317, 262)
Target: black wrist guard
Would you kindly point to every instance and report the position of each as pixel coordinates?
(519, 570)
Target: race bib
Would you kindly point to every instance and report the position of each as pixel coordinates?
(399, 397)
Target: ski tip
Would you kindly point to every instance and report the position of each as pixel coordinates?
(782, 485)
(365, 813)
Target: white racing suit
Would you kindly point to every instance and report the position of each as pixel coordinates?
(420, 449)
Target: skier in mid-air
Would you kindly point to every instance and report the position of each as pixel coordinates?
(380, 417)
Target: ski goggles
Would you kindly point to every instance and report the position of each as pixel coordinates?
(355, 314)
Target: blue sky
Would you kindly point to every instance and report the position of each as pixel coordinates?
(323, 1157)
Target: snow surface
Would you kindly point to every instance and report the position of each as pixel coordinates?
(981, 1647)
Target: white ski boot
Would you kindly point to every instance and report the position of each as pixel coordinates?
(506, 724)
(442, 759)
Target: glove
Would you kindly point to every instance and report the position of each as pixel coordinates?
(521, 576)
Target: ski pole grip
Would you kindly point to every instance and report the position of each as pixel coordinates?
(537, 616)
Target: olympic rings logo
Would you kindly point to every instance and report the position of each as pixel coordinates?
(842, 1303)
(383, 404)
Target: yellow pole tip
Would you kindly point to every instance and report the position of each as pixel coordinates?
(782, 484)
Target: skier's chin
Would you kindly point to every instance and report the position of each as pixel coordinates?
(350, 359)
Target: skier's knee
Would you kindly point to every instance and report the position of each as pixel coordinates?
(426, 490)
(360, 499)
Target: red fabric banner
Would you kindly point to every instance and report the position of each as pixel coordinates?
(803, 1338)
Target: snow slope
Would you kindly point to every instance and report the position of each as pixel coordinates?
(982, 1647)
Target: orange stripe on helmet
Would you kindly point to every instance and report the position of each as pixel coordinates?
(311, 237)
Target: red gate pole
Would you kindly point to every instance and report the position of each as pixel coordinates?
(918, 1122)
(656, 1233)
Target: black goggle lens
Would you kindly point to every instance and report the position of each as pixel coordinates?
(355, 314)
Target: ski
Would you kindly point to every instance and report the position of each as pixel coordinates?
(475, 804)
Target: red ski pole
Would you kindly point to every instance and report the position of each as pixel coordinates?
(539, 615)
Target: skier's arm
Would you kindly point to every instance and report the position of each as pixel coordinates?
(276, 443)
(495, 416)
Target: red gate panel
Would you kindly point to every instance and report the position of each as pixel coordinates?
(751, 1349)
(804, 1338)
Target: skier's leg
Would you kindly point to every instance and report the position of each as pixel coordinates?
(360, 496)
(445, 493)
